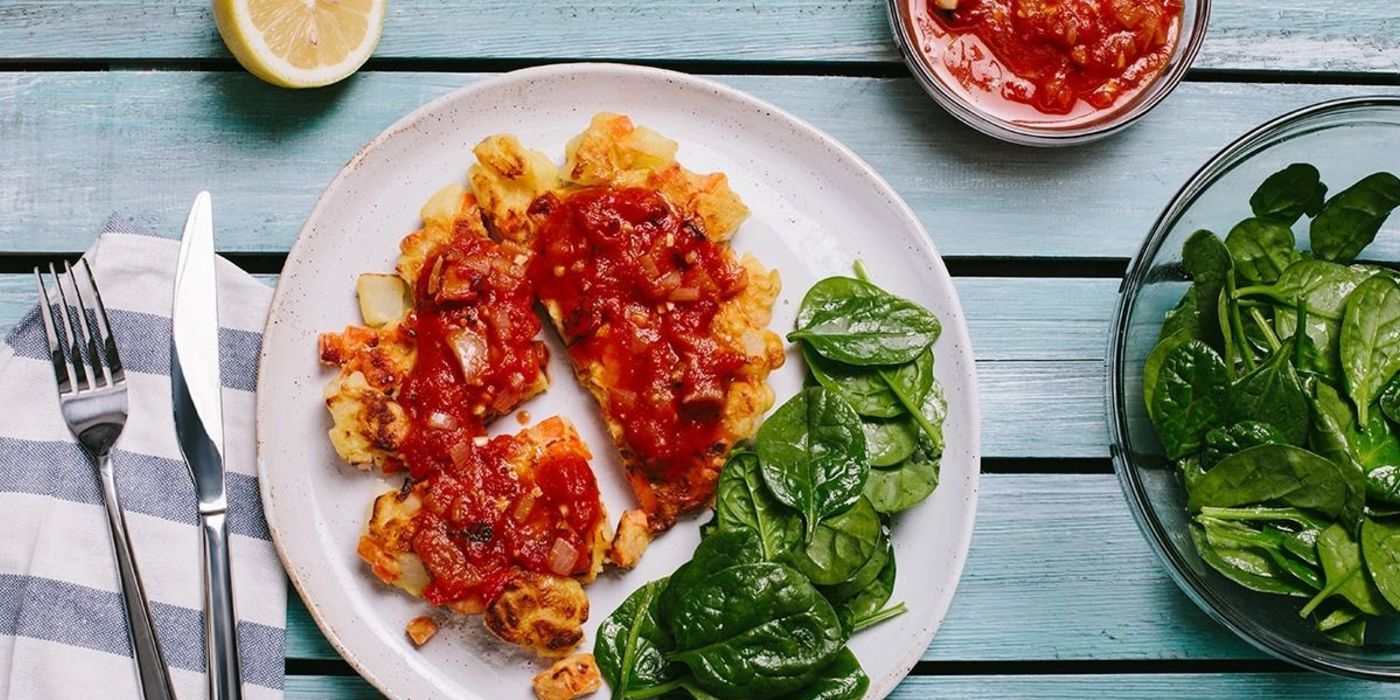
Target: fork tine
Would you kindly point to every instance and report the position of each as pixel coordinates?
(62, 370)
(104, 328)
(100, 374)
(75, 356)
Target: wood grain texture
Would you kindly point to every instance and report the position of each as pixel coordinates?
(1294, 35)
(77, 146)
(1027, 593)
(1143, 686)
(1039, 345)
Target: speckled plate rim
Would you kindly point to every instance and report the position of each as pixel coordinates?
(954, 334)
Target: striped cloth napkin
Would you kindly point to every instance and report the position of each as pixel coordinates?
(62, 629)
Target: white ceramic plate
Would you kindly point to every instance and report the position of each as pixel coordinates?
(816, 207)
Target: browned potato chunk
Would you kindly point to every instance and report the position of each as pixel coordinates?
(633, 536)
(569, 678)
(420, 629)
(540, 612)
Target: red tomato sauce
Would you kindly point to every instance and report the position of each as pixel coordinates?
(487, 512)
(638, 288)
(1052, 54)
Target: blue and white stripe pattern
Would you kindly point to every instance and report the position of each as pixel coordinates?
(62, 631)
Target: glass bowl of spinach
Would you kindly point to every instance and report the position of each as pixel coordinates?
(1254, 397)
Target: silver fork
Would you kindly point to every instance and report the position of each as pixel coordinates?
(92, 394)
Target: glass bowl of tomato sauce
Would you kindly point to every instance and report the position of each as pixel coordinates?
(1345, 140)
(1049, 72)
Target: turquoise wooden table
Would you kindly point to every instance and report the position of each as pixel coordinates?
(130, 105)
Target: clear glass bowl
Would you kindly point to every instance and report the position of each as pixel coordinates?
(1036, 129)
(1347, 140)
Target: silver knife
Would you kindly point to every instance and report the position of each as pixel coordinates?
(199, 424)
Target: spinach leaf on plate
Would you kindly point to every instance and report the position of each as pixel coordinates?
(897, 489)
(842, 544)
(743, 502)
(1262, 249)
(755, 630)
(1190, 399)
(1380, 547)
(1370, 341)
(812, 454)
(867, 392)
(1285, 474)
(1288, 194)
(889, 442)
(863, 577)
(715, 553)
(842, 679)
(1346, 575)
(1389, 400)
(869, 601)
(1351, 218)
(855, 322)
(633, 645)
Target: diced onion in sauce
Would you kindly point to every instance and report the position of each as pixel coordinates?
(470, 349)
(562, 557)
(442, 421)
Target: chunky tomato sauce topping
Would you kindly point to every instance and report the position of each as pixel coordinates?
(489, 509)
(1051, 54)
(638, 288)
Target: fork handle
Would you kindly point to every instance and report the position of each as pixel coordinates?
(220, 623)
(152, 675)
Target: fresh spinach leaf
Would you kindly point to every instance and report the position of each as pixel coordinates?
(1273, 394)
(928, 415)
(863, 577)
(755, 630)
(633, 644)
(906, 485)
(1288, 194)
(1152, 368)
(842, 679)
(743, 503)
(812, 454)
(1352, 633)
(1247, 567)
(889, 442)
(1380, 547)
(866, 390)
(1389, 400)
(1262, 249)
(1346, 576)
(1207, 260)
(857, 323)
(1185, 318)
(1351, 218)
(1370, 341)
(1190, 399)
(1225, 441)
(868, 603)
(1232, 535)
(1299, 528)
(1323, 286)
(1285, 474)
(842, 544)
(714, 554)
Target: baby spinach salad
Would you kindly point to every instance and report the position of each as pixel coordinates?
(798, 557)
(1275, 389)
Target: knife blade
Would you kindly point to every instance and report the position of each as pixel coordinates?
(199, 426)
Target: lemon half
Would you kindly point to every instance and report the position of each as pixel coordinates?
(300, 43)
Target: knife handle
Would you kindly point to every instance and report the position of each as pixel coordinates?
(152, 675)
(220, 624)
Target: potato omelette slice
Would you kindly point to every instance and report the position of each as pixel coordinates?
(464, 352)
(510, 530)
(664, 324)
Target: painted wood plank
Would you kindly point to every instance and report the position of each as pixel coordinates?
(1039, 345)
(77, 146)
(1145, 686)
(1058, 572)
(1296, 35)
